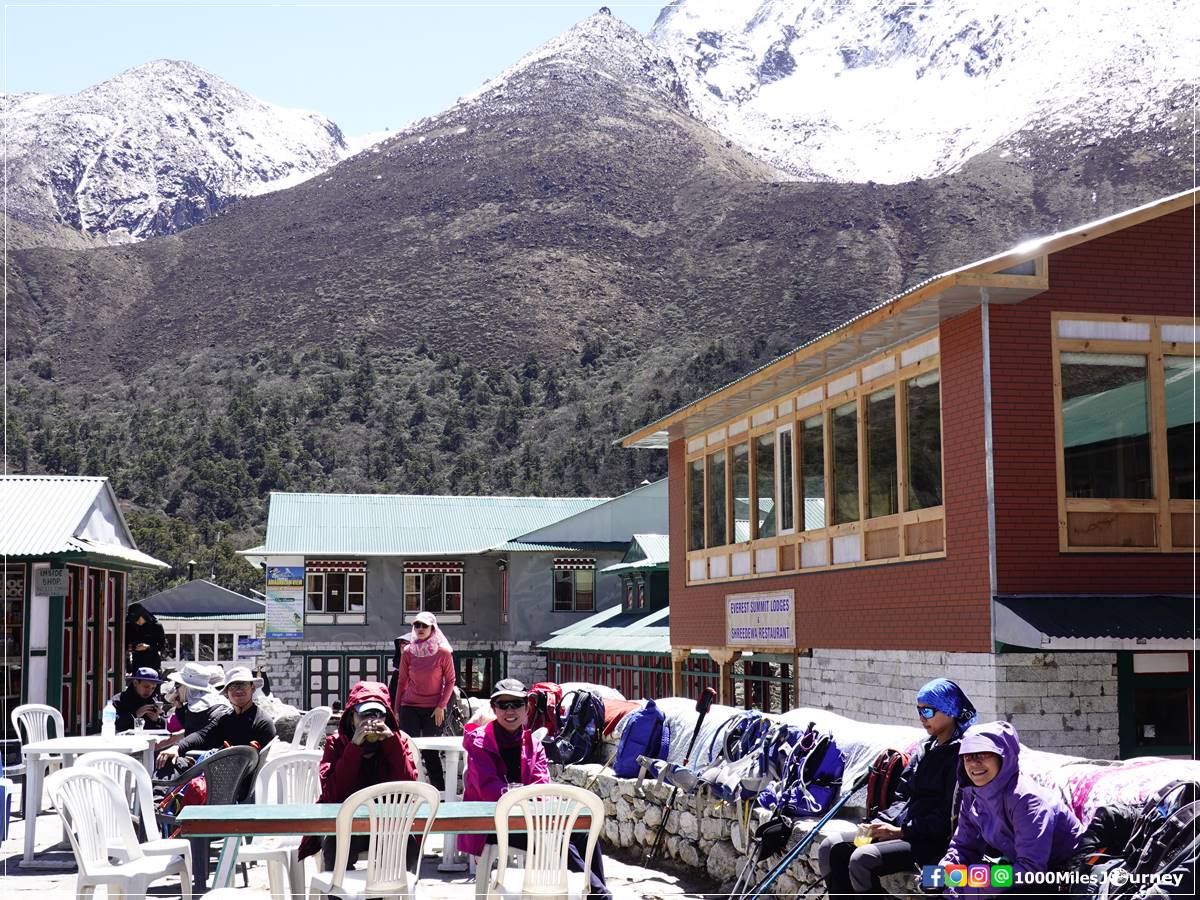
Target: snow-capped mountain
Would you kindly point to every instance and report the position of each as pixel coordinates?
(154, 150)
(892, 90)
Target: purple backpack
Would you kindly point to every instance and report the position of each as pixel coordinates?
(812, 777)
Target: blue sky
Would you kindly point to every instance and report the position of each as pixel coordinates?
(368, 66)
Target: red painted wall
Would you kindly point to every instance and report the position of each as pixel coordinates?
(930, 605)
(1144, 270)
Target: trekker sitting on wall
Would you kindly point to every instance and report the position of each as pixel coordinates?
(138, 700)
(1005, 815)
(425, 685)
(915, 829)
(501, 753)
(368, 749)
(244, 724)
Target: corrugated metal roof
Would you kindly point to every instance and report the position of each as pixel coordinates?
(615, 631)
(202, 599)
(40, 514)
(657, 547)
(1130, 617)
(233, 617)
(647, 552)
(564, 547)
(405, 524)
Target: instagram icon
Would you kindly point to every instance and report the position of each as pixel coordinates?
(979, 876)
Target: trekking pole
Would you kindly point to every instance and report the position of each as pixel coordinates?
(703, 704)
(791, 856)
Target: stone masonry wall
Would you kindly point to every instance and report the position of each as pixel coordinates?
(1064, 701)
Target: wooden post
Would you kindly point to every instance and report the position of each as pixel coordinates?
(678, 656)
(723, 657)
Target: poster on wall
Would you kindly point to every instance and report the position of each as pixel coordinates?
(285, 602)
(761, 621)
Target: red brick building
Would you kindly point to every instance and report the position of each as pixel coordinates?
(989, 476)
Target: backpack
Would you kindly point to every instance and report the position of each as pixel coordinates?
(646, 733)
(883, 777)
(812, 777)
(545, 699)
(578, 731)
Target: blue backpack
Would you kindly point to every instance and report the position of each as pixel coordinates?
(812, 777)
(579, 731)
(646, 733)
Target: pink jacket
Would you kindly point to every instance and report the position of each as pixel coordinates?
(426, 681)
(487, 776)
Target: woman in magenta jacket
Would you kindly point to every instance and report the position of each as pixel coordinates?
(424, 687)
(502, 753)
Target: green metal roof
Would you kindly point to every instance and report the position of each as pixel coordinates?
(406, 524)
(615, 631)
(647, 553)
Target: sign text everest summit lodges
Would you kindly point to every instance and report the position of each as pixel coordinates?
(760, 620)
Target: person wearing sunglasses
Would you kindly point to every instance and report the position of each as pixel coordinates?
(502, 754)
(369, 748)
(915, 828)
(424, 686)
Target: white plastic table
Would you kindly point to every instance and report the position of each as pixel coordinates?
(69, 748)
(451, 748)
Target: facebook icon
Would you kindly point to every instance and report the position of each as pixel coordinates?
(931, 877)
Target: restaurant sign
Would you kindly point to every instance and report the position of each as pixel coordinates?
(766, 619)
(285, 602)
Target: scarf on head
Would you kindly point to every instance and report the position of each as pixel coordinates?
(429, 646)
(947, 697)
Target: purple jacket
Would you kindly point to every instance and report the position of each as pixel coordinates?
(487, 776)
(1034, 829)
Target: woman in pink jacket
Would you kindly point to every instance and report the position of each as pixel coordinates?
(424, 687)
(502, 753)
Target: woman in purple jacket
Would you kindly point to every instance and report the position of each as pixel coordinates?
(1005, 813)
(503, 753)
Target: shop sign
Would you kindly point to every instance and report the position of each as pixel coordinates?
(285, 602)
(50, 582)
(761, 620)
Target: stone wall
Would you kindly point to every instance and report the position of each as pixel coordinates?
(1065, 701)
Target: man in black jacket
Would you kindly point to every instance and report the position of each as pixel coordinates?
(245, 724)
(915, 829)
(138, 700)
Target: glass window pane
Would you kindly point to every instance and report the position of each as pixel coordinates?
(1106, 439)
(224, 647)
(764, 484)
(356, 583)
(924, 407)
(207, 648)
(187, 646)
(412, 584)
(454, 583)
(845, 463)
(335, 592)
(564, 591)
(812, 446)
(741, 492)
(1160, 715)
(585, 581)
(787, 491)
(696, 504)
(716, 499)
(316, 592)
(1181, 374)
(882, 499)
(433, 591)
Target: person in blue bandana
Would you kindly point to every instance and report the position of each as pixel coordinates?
(915, 829)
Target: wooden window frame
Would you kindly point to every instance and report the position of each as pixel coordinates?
(449, 618)
(1161, 505)
(575, 608)
(889, 535)
(323, 616)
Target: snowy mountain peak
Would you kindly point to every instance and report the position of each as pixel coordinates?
(154, 149)
(890, 90)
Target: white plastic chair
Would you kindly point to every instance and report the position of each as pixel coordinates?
(392, 807)
(90, 806)
(293, 778)
(133, 780)
(31, 723)
(310, 730)
(550, 812)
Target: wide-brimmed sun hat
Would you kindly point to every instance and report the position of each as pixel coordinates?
(194, 676)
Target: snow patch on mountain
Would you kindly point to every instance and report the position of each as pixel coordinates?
(892, 90)
(153, 150)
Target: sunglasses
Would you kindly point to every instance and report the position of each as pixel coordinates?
(371, 714)
(239, 686)
(508, 704)
(926, 712)
(419, 626)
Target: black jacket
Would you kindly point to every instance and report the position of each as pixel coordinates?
(130, 701)
(227, 727)
(150, 633)
(924, 799)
